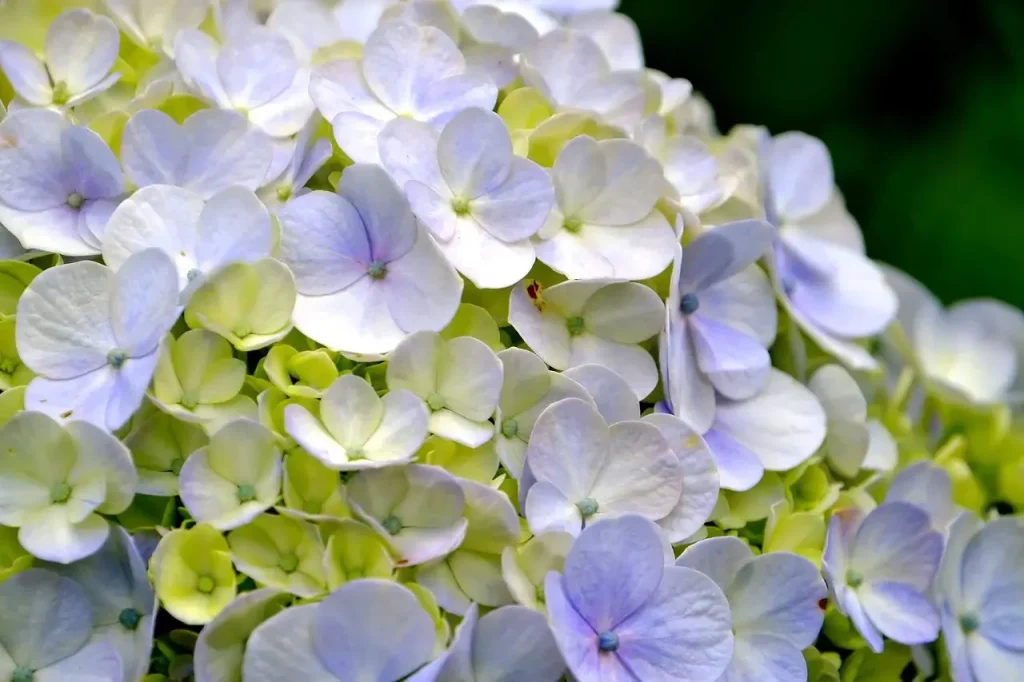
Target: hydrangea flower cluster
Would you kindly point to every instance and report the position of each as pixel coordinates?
(444, 341)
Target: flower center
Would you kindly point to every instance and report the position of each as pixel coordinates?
(129, 618)
(572, 225)
(60, 493)
(969, 623)
(854, 578)
(288, 563)
(193, 273)
(205, 584)
(588, 506)
(61, 93)
(575, 325)
(378, 269)
(22, 674)
(284, 193)
(607, 641)
(460, 206)
(392, 524)
(246, 493)
(8, 365)
(688, 304)
(436, 402)
(509, 428)
(190, 399)
(116, 358)
(75, 200)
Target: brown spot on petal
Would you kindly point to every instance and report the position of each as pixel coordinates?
(823, 604)
(533, 290)
(65, 415)
(8, 141)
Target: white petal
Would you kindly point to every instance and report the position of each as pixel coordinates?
(723, 252)
(801, 175)
(26, 74)
(234, 227)
(422, 290)
(631, 362)
(744, 301)
(764, 658)
(475, 153)
(614, 397)
(568, 447)
(46, 617)
(696, 616)
(895, 542)
(256, 69)
(313, 437)
(224, 150)
(64, 327)
(402, 429)
(286, 114)
(635, 251)
(51, 536)
(720, 559)
(783, 425)
(469, 377)
(901, 613)
(690, 394)
(338, 87)
(355, 319)
(518, 208)
(144, 302)
(81, 48)
(543, 330)
(699, 477)
(323, 242)
(372, 629)
(283, 646)
(735, 364)
(408, 150)
(559, 62)
(486, 261)
(647, 481)
(624, 312)
(30, 177)
(548, 510)
(400, 61)
(357, 135)
(195, 54)
(159, 216)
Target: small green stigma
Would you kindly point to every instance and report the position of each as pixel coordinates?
(193, 273)
(969, 623)
(436, 402)
(378, 269)
(8, 365)
(75, 200)
(60, 493)
(205, 584)
(246, 493)
(509, 428)
(190, 399)
(575, 325)
(288, 563)
(460, 206)
(22, 674)
(176, 465)
(588, 506)
(854, 579)
(284, 193)
(573, 225)
(61, 93)
(129, 618)
(116, 358)
(392, 524)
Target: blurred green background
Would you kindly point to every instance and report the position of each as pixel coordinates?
(921, 103)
